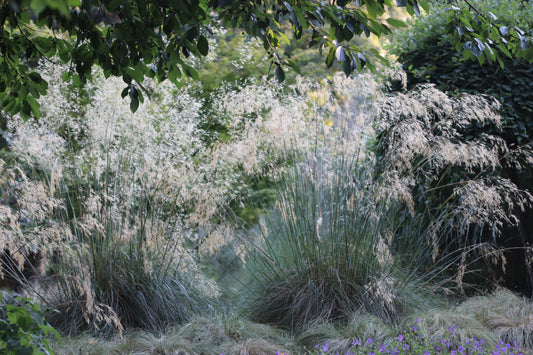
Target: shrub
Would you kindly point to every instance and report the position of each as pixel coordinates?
(23, 330)
(426, 53)
(442, 158)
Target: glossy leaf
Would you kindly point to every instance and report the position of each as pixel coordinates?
(280, 75)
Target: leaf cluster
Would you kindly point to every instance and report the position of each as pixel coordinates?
(430, 56)
(157, 39)
(23, 330)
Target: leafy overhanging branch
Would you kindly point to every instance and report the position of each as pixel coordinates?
(138, 39)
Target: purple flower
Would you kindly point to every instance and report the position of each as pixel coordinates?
(400, 337)
(415, 328)
(325, 347)
(369, 341)
(417, 320)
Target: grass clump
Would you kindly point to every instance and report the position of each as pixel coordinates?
(323, 252)
(506, 314)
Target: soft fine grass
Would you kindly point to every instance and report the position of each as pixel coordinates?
(323, 252)
(446, 327)
(506, 314)
(202, 335)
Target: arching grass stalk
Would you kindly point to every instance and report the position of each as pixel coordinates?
(323, 251)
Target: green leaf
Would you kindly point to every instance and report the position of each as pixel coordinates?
(505, 50)
(190, 71)
(203, 46)
(135, 73)
(134, 103)
(330, 57)
(114, 5)
(280, 75)
(284, 38)
(396, 23)
(38, 5)
(43, 43)
(347, 66)
(125, 92)
(340, 55)
(35, 107)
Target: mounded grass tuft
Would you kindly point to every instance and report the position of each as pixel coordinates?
(506, 314)
(323, 252)
(202, 335)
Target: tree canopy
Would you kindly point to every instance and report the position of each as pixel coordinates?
(136, 39)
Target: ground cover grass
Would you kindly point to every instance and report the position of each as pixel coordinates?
(435, 330)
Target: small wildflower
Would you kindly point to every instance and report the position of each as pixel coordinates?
(400, 337)
(325, 347)
(369, 341)
(356, 342)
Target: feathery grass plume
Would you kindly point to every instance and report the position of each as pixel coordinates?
(139, 195)
(29, 238)
(124, 198)
(506, 314)
(442, 159)
(322, 252)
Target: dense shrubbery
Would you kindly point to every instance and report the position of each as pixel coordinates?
(442, 158)
(428, 56)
